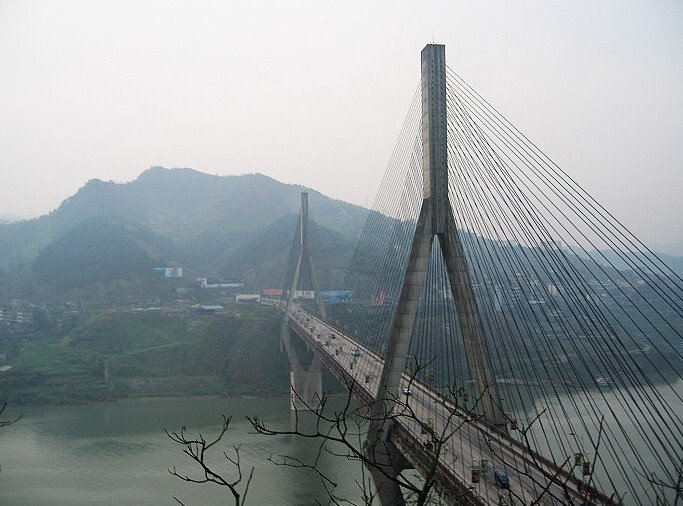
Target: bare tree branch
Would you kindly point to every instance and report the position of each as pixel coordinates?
(196, 449)
(342, 433)
(6, 423)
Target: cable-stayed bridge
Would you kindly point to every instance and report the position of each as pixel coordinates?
(497, 302)
(471, 439)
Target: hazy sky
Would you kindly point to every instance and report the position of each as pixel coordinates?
(315, 92)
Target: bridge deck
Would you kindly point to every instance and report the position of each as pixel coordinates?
(531, 475)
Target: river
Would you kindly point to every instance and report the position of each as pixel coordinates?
(117, 453)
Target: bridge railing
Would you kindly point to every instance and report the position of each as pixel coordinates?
(550, 469)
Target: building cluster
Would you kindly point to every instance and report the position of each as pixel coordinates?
(19, 319)
(16, 312)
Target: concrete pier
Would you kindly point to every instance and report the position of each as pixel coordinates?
(305, 389)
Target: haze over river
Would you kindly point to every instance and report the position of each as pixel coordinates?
(117, 453)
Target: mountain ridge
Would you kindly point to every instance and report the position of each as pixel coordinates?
(205, 216)
(231, 226)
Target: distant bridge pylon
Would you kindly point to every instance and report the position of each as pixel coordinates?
(305, 382)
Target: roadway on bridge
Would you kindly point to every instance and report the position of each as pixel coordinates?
(471, 440)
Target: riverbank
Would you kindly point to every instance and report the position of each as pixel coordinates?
(44, 399)
(120, 354)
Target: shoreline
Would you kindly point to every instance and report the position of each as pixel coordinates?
(139, 398)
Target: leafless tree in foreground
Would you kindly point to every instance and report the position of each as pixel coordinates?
(664, 489)
(6, 423)
(197, 448)
(342, 433)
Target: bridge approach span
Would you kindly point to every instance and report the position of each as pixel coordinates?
(533, 478)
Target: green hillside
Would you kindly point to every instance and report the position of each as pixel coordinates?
(117, 354)
(262, 261)
(206, 217)
(97, 251)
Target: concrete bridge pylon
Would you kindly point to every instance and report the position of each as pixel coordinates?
(436, 228)
(305, 382)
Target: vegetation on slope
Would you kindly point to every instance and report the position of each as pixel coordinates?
(95, 251)
(127, 353)
(203, 215)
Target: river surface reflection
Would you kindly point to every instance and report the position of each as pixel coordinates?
(117, 453)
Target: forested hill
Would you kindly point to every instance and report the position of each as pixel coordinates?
(227, 226)
(205, 217)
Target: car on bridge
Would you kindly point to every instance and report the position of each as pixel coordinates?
(429, 427)
(356, 352)
(500, 478)
(475, 473)
(407, 391)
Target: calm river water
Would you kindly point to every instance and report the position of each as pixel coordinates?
(117, 453)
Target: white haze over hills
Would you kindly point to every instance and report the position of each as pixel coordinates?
(10, 218)
(315, 93)
(671, 253)
(673, 248)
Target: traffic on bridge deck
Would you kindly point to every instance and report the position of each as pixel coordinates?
(475, 453)
(479, 306)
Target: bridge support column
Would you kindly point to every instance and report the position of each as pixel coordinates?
(437, 227)
(386, 462)
(306, 389)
